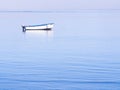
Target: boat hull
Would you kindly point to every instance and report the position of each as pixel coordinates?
(38, 27)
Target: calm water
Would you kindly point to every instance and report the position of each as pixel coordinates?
(82, 52)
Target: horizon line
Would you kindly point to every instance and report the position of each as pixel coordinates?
(54, 11)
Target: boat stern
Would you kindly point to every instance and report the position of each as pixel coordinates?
(23, 28)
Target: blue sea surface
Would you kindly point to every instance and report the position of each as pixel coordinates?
(82, 52)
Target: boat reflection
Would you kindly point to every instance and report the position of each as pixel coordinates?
(39, 33)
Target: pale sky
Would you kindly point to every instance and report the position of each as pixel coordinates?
(58, 4)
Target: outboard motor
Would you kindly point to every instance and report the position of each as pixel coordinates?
(23, 27)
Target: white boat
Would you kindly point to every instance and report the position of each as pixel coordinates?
(48, 26)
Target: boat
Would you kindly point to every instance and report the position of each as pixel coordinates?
(48, 26)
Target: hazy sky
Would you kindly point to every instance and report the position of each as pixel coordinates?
(58, 4)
